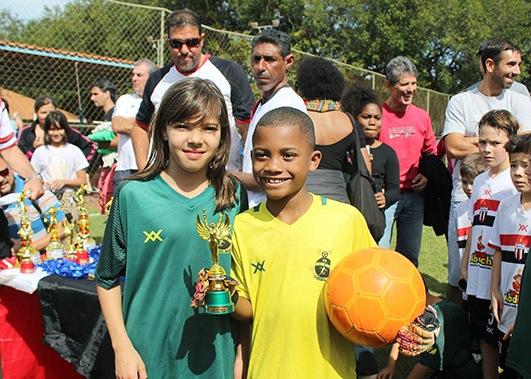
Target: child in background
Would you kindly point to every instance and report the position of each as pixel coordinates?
(31, 137)
(495, 129)
(450, 357)
(151, 235)
(362, 103)
(471, 166)
(61, 164)
(518, 354)
(284, 250)
(511, 239)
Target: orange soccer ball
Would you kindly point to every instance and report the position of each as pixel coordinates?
(371, 294)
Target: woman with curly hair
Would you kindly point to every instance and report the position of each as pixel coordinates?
(320, 84)
(363, 104)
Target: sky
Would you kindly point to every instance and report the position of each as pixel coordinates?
(29, 9)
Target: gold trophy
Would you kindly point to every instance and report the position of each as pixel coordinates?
(27, 255)
(218, 299)
(55, 248)
(84, 222)
(70, 230)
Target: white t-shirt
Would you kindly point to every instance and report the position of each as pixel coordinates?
(484, 203)
(466, 109)
(463, 230)
(284, 97)
(126, 106)
(463, 226)
(512, 236)
(59, 163)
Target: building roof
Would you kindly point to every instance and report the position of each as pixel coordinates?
(63, 54)
(23, 106)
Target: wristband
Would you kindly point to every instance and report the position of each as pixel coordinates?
(35, 176)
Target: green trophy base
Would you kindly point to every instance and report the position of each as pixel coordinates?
(219, 303)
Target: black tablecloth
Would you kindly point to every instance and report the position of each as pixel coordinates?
(74, 325)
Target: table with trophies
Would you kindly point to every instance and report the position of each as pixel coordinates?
(49, 302)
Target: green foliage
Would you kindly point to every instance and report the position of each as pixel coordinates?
(10, 26)
(97, 28)
(440, 36)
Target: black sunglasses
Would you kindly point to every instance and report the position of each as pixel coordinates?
(178, 44)
(4, 172)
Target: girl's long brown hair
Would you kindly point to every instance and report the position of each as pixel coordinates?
(198, 100)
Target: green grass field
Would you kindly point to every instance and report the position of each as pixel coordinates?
(432, 264)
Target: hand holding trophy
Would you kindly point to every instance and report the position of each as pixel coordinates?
(214, 287)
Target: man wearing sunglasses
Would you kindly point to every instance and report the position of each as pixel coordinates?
(185, 43)
(10, 183)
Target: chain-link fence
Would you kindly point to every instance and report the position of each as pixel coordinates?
(64, 50)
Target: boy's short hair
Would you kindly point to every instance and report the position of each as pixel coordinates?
(517, 144)
(288, 116)
(527, 146)
(502, 120)
(472, 165)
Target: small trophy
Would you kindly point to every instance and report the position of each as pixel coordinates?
(55, 248)
(82, 255)
(218, 299)
(84, 222)
(70, 230)
(27, 255)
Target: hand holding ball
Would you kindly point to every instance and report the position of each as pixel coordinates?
(371, 294)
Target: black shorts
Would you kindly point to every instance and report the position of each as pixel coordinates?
(494, 338)
(478, 316)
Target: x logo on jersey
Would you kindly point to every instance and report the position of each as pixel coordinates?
(522, 228)
(152, 236)
(486, 192)
(258, 267)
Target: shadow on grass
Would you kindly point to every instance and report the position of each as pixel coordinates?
(434, 286)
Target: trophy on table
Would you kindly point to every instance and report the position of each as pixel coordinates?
(82, 255)
(70, 230)
(218, 297)
(84, 222)
(55, 248)
(27, 255)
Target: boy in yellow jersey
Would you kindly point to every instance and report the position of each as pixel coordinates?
(283, 252)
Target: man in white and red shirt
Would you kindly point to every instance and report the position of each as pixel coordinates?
(185, 42)
(407, 129)
(270, 60)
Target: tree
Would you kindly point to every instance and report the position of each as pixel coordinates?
(10, 26)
